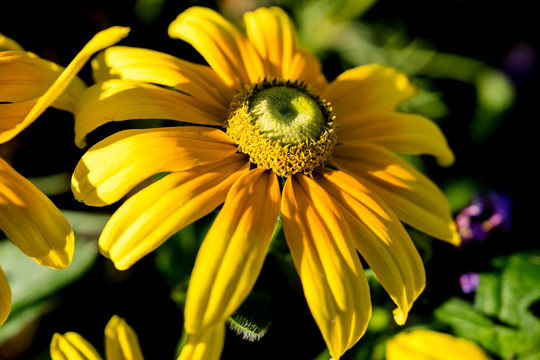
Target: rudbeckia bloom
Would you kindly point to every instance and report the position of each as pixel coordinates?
(424, 344)
(28, 85)
(121, 343)
(269, 137)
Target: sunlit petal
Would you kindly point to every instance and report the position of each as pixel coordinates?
(307, 68)
(32, 222)
(117, 100)
(7, 43)
(397, 132)
(116, 164)
(24, 77)
(414, 198)
(156, 67)
(5, 297)
(334, 283)
(72, 346)
(100, 41)
(379, 237)
(422, 344)
(205, 345)
(160, 210)
(121, 342)
(272, 33)
(368, 88)
(223, 45)
(232, 254)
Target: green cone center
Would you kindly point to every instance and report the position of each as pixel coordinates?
(287, 114)
(282, 126)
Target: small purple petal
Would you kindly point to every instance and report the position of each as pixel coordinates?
(469, 282)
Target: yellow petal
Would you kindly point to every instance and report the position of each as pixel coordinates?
(232, 254)
(5, 297)
(223, 45)
(23, 78)
(117, 100)
(154, 214)
(7, 43)
(368, 88)
(423, 344)
(379, 237)
(32, 222)
(154, 67)
(397, 132)
(72, 346)
(334, 283)
(414, 198)
(307, 68)
(206, 345)
(112, 167)
(100, 41)
(121, 341)
(272, 33)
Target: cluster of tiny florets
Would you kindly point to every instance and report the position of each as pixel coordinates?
(284, 160)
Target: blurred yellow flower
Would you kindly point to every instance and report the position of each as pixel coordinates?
(28, 85)
(431, 345)
(121, 343)
(271, 137)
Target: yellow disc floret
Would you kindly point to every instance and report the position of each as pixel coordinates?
(282, 126)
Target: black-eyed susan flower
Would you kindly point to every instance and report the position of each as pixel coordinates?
(28, 85)
(422, 344)
(270, 137)
(121, 343)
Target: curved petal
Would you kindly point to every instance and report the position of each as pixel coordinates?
(423, 344)
(100, 41)
(32, 222)
(154, 214)
(368, 88)
(23, 78)
(379, 237)
(397, 132)
(232, 254)
(115, 165)
(206, 345)
(7, 43)
(334, 283)
(72, 346)
(414, 198)
(117, 100)
(200, 81)
(223, 45)
(121, 342)
(307, 68)
(5, 297)
(272, 33)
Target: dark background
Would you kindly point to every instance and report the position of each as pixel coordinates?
(506, 161)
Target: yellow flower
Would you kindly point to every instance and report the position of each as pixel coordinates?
(271, 136)
(121, 343)
(28, 85)
(431, 345)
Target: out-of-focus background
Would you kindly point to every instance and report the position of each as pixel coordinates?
(476, 64)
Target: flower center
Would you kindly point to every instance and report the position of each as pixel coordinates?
(282, 126)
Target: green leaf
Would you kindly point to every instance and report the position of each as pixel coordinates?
(487, 300)
(31, 284)
(500, 319)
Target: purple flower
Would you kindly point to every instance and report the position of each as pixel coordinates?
(485, 214)
(469, 282)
